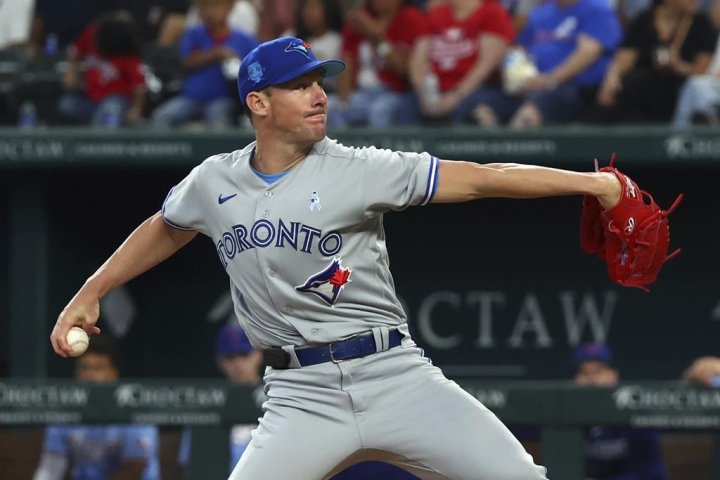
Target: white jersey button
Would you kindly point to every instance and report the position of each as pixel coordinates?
(268, 194)
(265, 214)
(271, 273)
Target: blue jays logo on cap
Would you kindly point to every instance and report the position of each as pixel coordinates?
(277, 61)
(303, 48)
(328, 283)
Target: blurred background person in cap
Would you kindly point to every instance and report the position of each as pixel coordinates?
(236, 358)
(615, 452)
(240, 363)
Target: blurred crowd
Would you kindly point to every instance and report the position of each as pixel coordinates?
(489, 63)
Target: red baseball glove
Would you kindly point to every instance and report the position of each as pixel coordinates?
(633, 237)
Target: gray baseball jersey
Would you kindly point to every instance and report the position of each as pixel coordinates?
(306, 255)
(308, 263)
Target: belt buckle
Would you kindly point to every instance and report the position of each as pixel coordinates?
(332, 354)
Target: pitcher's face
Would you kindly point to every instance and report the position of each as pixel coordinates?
(299, 107)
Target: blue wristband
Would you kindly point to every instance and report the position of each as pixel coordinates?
(715, 381)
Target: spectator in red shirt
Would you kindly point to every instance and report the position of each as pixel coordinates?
(112, 92)
(465, 43)
(377, 41)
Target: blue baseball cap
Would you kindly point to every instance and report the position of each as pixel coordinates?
(279, 61)
(232, 340)
(594, 352)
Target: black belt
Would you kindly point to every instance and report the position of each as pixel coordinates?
(355, 347)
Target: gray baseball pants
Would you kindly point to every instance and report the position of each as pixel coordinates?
(392, 406)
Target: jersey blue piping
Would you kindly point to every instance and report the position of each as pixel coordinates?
(431, 186)
(165, 219)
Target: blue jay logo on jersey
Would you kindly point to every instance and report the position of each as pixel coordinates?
(328, 283)
(299, 47)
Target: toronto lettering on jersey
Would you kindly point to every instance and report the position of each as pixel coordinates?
(265, 233)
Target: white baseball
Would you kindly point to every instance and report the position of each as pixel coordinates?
(78, 340)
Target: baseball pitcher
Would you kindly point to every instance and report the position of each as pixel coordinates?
(297, 223)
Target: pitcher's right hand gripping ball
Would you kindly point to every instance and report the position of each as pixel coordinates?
(633, 237)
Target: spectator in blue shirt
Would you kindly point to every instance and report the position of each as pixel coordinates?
(99, 452)
(211, 55)
(571, 43)
(615, 452)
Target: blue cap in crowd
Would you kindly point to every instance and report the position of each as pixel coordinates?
(279, 61)
(594, 352)
(232, 340)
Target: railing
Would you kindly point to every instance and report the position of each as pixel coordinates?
(560, 409)
(132, 148)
